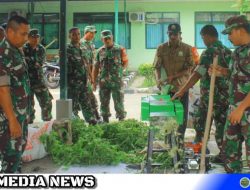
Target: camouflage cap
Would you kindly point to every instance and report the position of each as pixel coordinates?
(106, 34)
(89, 29)
(34, 32)
(174, 28)
(234, 22)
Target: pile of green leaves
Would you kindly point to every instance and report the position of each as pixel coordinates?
(101, 144)
(147, 70)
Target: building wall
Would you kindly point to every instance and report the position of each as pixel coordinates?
(138, 53)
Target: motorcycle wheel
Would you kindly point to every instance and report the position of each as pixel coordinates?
(50, 83)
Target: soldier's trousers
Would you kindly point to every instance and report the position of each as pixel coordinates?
(11, 150)
(218, 116)
(118, 98)
(80, 99)
(182, 128)
(45, 101)
(93, 102)
(234, 136)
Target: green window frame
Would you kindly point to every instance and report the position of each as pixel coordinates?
(104, 21)
(48, 26)
(218, 20)
(156, 24)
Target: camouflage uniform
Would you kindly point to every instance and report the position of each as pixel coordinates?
(110, 61)
(220, 92)
(35, 59)
(88, 49)
(238, 90)
(14, 73)
(77, 82)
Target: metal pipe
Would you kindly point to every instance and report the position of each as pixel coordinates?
(116, 21)
(63, 62)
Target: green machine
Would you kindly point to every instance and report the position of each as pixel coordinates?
(161, 106)
(155, 109)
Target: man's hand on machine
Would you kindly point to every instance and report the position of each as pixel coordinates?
(178, 94)
(159, 83)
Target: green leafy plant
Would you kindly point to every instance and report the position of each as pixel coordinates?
(101, 144)
(147, 70)
(242, 5)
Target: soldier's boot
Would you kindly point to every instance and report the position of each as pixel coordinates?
(105, 119)
(97, 115)
(92, 122)
(121, 118)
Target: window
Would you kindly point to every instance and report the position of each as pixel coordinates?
(104, 21)
(48, 26)
(3, 18)
(156, 27)
(215, 18)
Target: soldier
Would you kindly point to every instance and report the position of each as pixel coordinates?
(77, 77)
(237, 128)
(35, 56)
(175, 57)
(111, 59)
(88, 49)
(14, 98)
(214, 47)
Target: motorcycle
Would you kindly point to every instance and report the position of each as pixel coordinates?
(51, 72)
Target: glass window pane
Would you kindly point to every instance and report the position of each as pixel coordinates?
(124, 35)
(170, 17)
(156, 27)
(201, 17)
(53, 17)
(165, 30)
(223, 38)
(198, 39)
(51, 35)
(37, 18)
(222, 17)
(154, 35)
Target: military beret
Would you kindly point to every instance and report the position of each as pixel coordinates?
(174, 28)
(89, 29)
(106, 34)
(235, 22)
(34, 33)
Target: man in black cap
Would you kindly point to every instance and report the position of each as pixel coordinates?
(175, 58)
(35, 56)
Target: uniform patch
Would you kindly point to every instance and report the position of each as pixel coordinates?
(180, 54)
